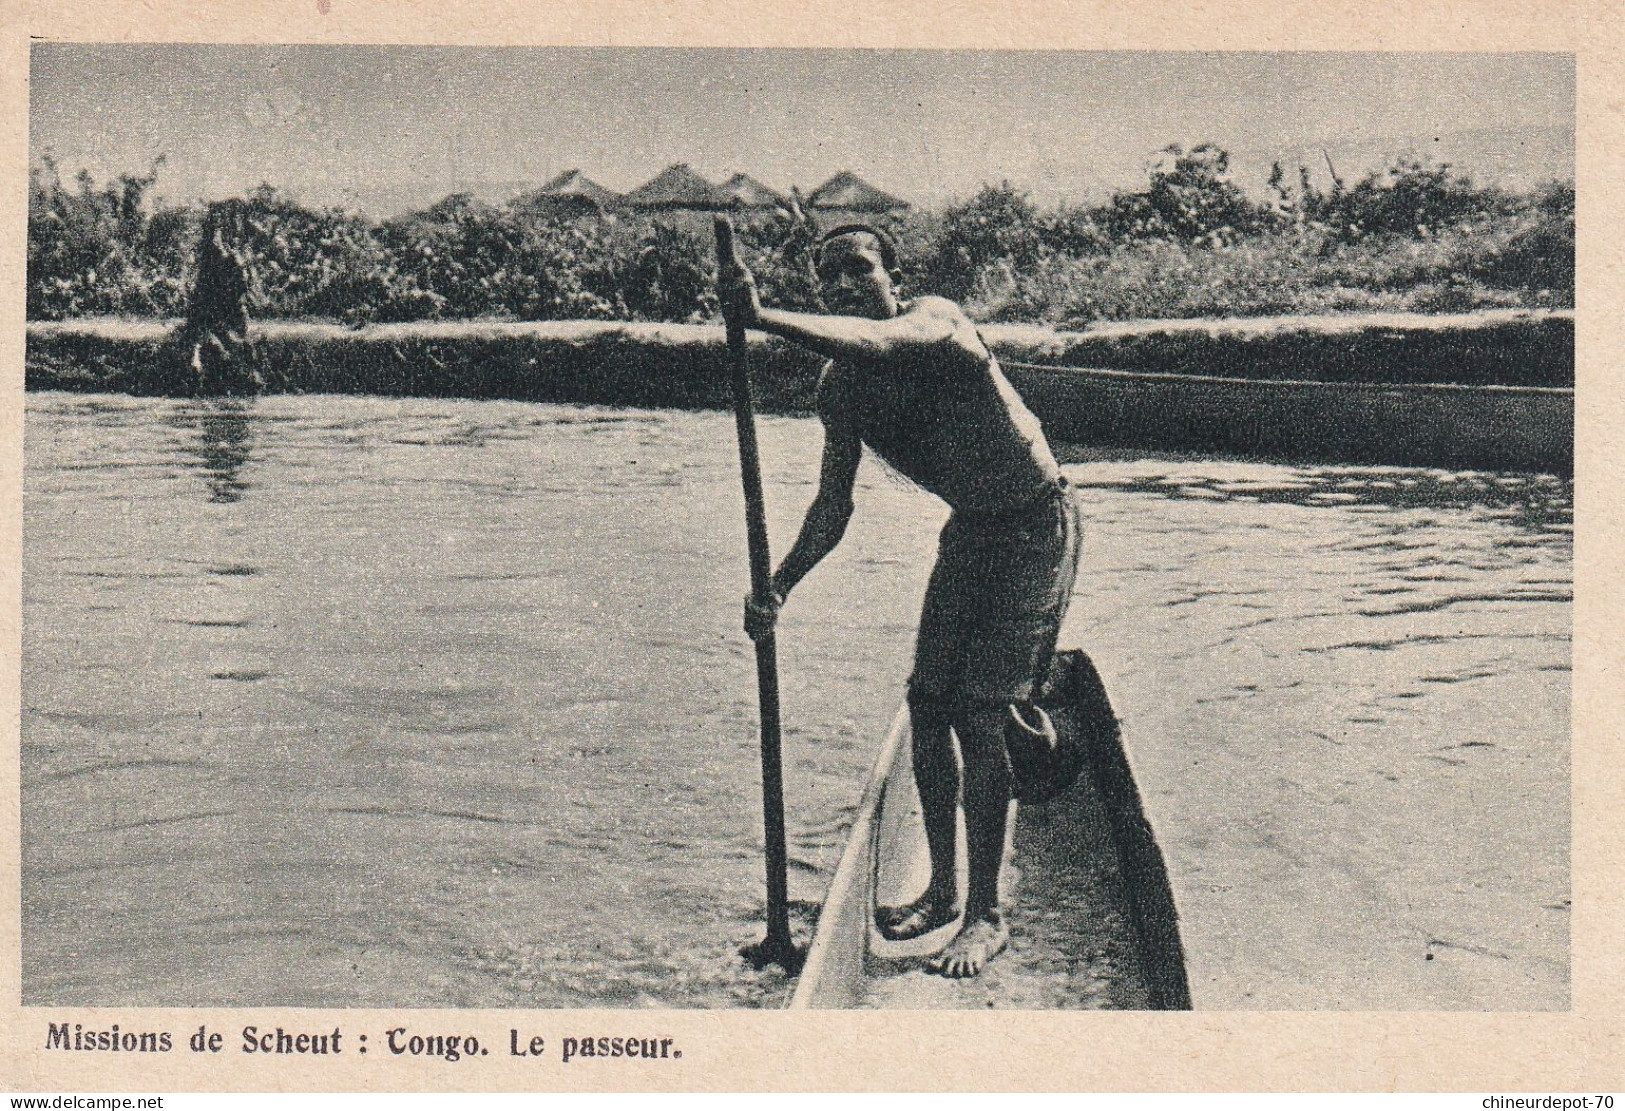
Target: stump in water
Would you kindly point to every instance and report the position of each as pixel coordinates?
(215, 355)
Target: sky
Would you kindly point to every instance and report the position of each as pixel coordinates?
(385, 128)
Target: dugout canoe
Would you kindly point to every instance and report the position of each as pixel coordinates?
(1507, 428)
(884, 860)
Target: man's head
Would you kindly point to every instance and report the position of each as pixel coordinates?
(857, 271)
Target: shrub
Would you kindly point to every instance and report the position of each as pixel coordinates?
(1190, 198)
(92, 250)
(998, 229)
(1413, 236)
(1537, 258)
(668, 276)
(326, 263)
(1410, 198)
(780, 253)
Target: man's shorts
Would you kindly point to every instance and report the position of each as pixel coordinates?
(994, 605)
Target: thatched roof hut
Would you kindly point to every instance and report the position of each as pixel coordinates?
(572, 193)
(847, 192)
(679, 187)
(749, 193)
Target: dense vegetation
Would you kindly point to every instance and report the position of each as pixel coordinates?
(1191, 243)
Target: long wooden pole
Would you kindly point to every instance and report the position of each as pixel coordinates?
(776, 946)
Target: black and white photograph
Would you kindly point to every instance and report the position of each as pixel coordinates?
(535, 528)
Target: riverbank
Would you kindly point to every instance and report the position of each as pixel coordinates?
(682, 365)
(1514, 347)
(1489, 390)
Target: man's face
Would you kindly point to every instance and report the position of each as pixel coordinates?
(853, 278)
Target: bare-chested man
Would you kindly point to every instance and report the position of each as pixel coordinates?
(913, 380)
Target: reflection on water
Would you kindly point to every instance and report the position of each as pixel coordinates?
(223, 442)
(445, 703)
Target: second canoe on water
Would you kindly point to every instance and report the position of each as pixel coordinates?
(885, 860)
(1420, 424)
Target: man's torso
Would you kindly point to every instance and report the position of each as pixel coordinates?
(951, 423)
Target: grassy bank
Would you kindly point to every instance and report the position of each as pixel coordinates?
(654, 365)
(1499, 348)
(676, 365)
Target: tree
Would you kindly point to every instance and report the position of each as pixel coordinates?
(1190, 198)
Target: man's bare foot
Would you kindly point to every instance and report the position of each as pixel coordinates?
(930, 911)
(968, 953)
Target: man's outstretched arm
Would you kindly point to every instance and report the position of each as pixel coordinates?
(927, 325)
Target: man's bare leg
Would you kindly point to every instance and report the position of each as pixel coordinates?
(936, 776)
(987, 804)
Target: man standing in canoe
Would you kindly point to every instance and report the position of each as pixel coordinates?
(913, 380)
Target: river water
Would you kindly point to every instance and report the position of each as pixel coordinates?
(336, 701)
